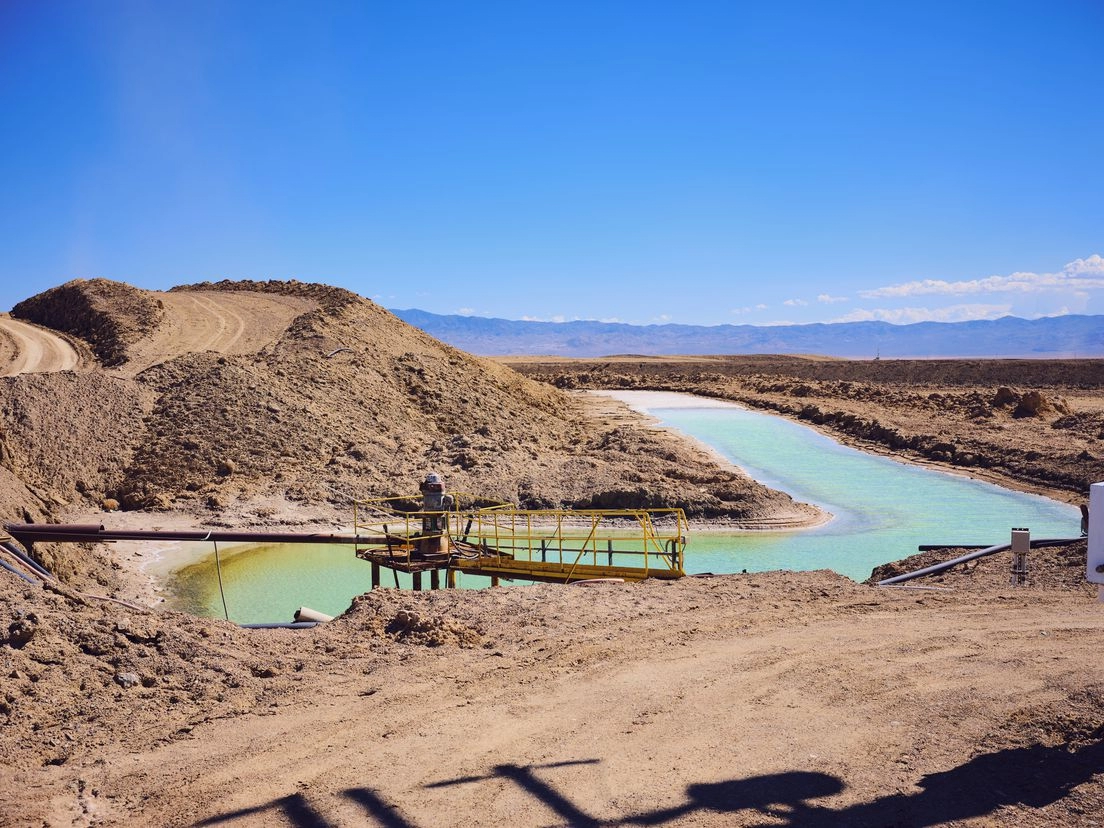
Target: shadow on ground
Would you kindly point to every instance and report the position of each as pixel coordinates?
(1031, 777)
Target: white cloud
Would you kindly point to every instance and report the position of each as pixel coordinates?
(828, 299)
(907, 316)
(748, 309)
(466, 311)
(795, 303)
(610, 320)
(1079, 275)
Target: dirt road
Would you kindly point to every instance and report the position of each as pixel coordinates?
(28, 349)
(771, 699)
(225, 322)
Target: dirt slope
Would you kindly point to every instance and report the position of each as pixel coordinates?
(219, 321)
(27, 349)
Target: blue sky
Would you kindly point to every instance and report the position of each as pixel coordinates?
(692, 162)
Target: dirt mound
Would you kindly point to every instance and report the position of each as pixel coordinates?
(424, 623)
(351, 401)
(108, 315)
(319, 396)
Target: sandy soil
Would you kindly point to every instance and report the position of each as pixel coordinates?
(226, 323)
(28, 349)
(766, 699)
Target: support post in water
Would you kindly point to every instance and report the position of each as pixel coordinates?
(1021, 543)
(375, 575)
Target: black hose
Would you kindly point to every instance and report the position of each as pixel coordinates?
(27, 559)
(280, 625)
(969, 556)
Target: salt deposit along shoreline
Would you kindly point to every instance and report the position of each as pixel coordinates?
(641, 401)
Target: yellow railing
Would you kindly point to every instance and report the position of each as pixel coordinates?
(548, 539)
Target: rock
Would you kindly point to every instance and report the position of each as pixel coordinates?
(109, 504)
(1032, 404)
(128, 680)
(225, 468)
(1005, 397)
(22, 629)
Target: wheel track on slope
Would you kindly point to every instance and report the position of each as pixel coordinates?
(29, 349)
(224, 322)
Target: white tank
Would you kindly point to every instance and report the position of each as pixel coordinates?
(1095, 569)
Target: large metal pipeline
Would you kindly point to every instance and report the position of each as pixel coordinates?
(28, 533)
(980, 553)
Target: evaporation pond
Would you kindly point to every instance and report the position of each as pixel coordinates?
(883, 509)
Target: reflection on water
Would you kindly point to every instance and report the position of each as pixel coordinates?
(883, 510)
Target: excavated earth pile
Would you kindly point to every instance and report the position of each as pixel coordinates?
(239, 401)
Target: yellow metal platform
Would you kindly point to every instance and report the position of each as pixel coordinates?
(500, 541)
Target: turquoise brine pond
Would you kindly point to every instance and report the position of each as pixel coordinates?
(882, 510)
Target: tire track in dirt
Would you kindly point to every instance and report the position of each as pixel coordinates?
(28, 349)
(225, 322)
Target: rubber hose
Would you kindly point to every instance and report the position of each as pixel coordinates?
(27, 559)
(15, 571)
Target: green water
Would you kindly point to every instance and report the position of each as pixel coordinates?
(269, 583)
(883, 509)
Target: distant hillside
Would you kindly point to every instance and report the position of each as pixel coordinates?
(1061, 336)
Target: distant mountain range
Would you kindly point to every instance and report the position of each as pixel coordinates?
(1058, 336)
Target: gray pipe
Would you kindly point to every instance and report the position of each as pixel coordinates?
(15, 571)
(27, 559)
(969, 556)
